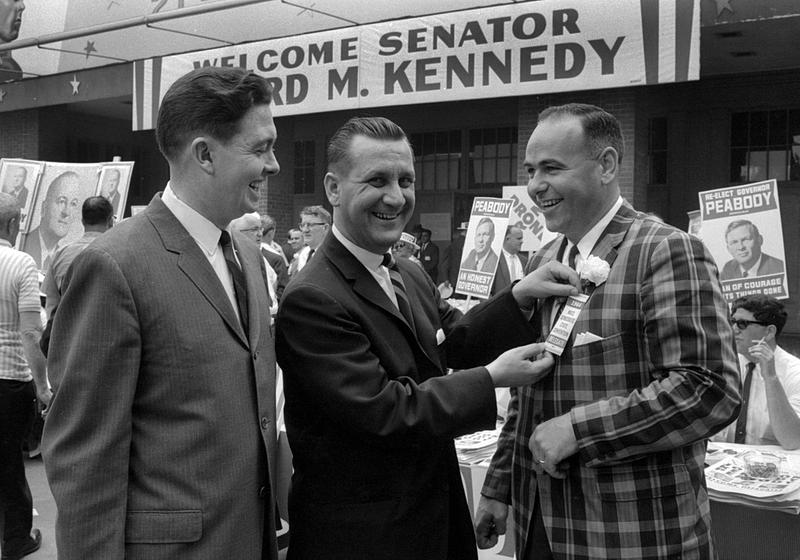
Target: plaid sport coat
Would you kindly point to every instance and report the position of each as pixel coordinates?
(642, 402)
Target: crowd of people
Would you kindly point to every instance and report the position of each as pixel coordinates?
(167, 332)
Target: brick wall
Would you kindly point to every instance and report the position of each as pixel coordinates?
(619, 102)
(19, 134)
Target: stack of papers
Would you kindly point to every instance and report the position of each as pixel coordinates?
(473, 449)
(728, 481)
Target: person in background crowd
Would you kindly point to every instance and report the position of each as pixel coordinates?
(251, 224)
(429, 254)
(294, 242)
(370, 413)
(482, 257)
(770, 413)
(23, 379)
(97, 216)
(607, 452)
(451, 262)
(268, 242)
(405, 247)
(315, 223)
(744, 244)
(15, 183)
(161, 356)
(10, 23)
(512, 262)
(59, 211)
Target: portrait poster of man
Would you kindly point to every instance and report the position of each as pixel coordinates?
(743, 231)
(20, 178)
(55, 217)
(527, 216)
(484, 242)
(113, 184)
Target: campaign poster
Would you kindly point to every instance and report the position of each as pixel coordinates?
(482, 246)
(742, 230)
(113, 184)
(527, 216)
(20, 178)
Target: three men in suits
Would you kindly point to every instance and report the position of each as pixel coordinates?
(606, 452)
(744, 243)
(161, 438)
(370, 413)
(512, 263)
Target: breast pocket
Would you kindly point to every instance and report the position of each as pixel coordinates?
(598, 369)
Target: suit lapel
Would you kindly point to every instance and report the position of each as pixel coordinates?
(193, 263)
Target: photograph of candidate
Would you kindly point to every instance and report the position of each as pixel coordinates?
(604, 457)
(361, 339)
(482, 257)
(111, 180)
(14, 183)
(744, 243)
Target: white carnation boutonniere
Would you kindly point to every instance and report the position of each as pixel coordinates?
(593, 272)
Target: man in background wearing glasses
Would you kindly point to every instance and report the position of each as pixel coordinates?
(315, 222)
(770, 377)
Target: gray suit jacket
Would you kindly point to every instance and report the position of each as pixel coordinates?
(157, 441)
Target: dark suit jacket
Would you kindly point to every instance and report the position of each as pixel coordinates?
(642, 401)
(768, 265)
(502, 277)
(451, 262)
(279, 266)
(157, 440)
(429, 257)
(371, 416)
(471, 262)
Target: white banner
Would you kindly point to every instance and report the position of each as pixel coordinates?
(526, 48)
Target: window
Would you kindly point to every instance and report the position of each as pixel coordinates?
(657, 151)
(304, 170)
(492, 158)
(437, 158)
(765, 145)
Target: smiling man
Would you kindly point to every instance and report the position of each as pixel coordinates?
(744, 242)
(60, 210)
(370, 413)
(161, 354)
(607, 451)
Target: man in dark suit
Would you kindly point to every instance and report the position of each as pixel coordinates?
(482, 257)
(370, 413)
(161, 440)
(15, 183)
(606, 453)
(512, 262)
(429, 254)
(744, 243)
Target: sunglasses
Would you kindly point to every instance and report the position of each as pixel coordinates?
(742, 324)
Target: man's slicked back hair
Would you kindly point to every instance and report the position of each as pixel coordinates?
(378, 128)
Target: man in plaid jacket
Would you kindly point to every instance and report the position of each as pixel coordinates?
(603, 458)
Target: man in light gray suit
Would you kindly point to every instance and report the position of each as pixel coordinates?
(161, 441)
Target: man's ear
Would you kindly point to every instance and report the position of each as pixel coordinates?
(200, 151)
(772, 332)
(332, 188)
(609, 164)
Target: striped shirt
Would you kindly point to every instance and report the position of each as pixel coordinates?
(19, 292)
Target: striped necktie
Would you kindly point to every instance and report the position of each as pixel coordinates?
(399, 288)
(741, 424)
(239, 286)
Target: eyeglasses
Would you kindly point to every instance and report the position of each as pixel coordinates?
(310, 224)
(742, 324)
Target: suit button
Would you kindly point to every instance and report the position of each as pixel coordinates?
(264, 423)
(255, 356)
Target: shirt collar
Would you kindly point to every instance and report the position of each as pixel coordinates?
(371, 261)
(753, 270)
(205, 233)
(589, 240)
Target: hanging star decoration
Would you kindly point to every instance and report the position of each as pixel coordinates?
(112, 3)
(89, 49)
(2, 95)
(75, 84)
(723, 5)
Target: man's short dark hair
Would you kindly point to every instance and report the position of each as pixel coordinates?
(601, 128)
(765, 309)
(210, 101)
(485, 220)
(96, 210)
(318, 212)
(378, 128)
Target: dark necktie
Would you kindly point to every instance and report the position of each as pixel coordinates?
(399, 288)
(573, 257)
(741, 423)
(239, 286)
(744, 274)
